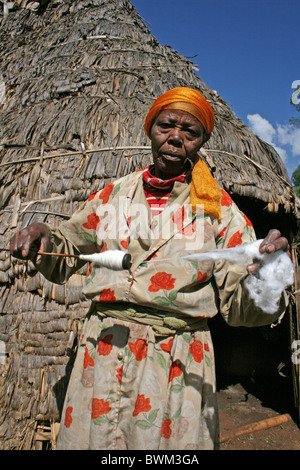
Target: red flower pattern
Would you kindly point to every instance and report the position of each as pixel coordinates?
(124, 244)
(161, 280)
(91, 197)
(119, 373)
(221, 234)
(106, 192)
(88, 360)
(175, 370)
(105, 346)
(104, 247)
(201, 277)
(167, 346)
(93, 221)
(99, 407)
(248, 221)
(141, 404)
(107, 295)
(139, 349)
(196, 349)
(68, 417)
(226, 199)
(89, 270)
(166, 430)
(235, 240)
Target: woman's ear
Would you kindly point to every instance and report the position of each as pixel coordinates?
(206, 137)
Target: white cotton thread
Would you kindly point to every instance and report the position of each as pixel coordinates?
(112, 259)
(239, 254)
(267, 285)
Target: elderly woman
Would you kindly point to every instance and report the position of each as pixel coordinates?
(144, 374)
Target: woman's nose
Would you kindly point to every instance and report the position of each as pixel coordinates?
(175, 136)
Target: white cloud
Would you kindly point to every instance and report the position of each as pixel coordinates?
(282, 152)
(279, 137)
(288, 135)
(261, 127)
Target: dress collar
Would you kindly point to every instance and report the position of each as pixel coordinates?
(165, 185)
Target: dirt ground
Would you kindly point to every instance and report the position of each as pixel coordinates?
(255, 383)
(248, 401)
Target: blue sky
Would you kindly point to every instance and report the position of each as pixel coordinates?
(247, 50)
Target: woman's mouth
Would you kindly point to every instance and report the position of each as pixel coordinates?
(172, 157)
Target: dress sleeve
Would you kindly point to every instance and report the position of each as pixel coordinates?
(77, 235)
(235, 305)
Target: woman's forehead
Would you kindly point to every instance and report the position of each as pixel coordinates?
(177, 115)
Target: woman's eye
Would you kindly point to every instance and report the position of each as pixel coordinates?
(191, 132)
(165, 125)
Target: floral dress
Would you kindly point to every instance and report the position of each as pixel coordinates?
(131, 391)
(143, 381)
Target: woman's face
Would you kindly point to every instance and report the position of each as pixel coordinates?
(176, 136)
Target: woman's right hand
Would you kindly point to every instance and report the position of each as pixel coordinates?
(26, 243)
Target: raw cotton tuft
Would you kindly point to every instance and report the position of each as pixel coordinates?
(267, 285)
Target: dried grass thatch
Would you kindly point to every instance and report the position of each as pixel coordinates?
(79, 78)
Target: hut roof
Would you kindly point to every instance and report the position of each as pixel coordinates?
(78, 78)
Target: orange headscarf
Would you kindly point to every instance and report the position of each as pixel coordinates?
(185, 99)
(204, 189)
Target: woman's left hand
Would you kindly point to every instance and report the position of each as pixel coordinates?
(273, 242)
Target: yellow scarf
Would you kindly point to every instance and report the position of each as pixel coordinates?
(205, 190)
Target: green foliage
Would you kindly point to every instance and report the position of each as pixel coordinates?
(296, 177)
(295, 122)
(296, 181)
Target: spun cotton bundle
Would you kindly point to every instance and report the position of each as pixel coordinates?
(267, 285)
(116, 260)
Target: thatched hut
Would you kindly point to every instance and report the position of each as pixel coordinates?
(77, 78)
